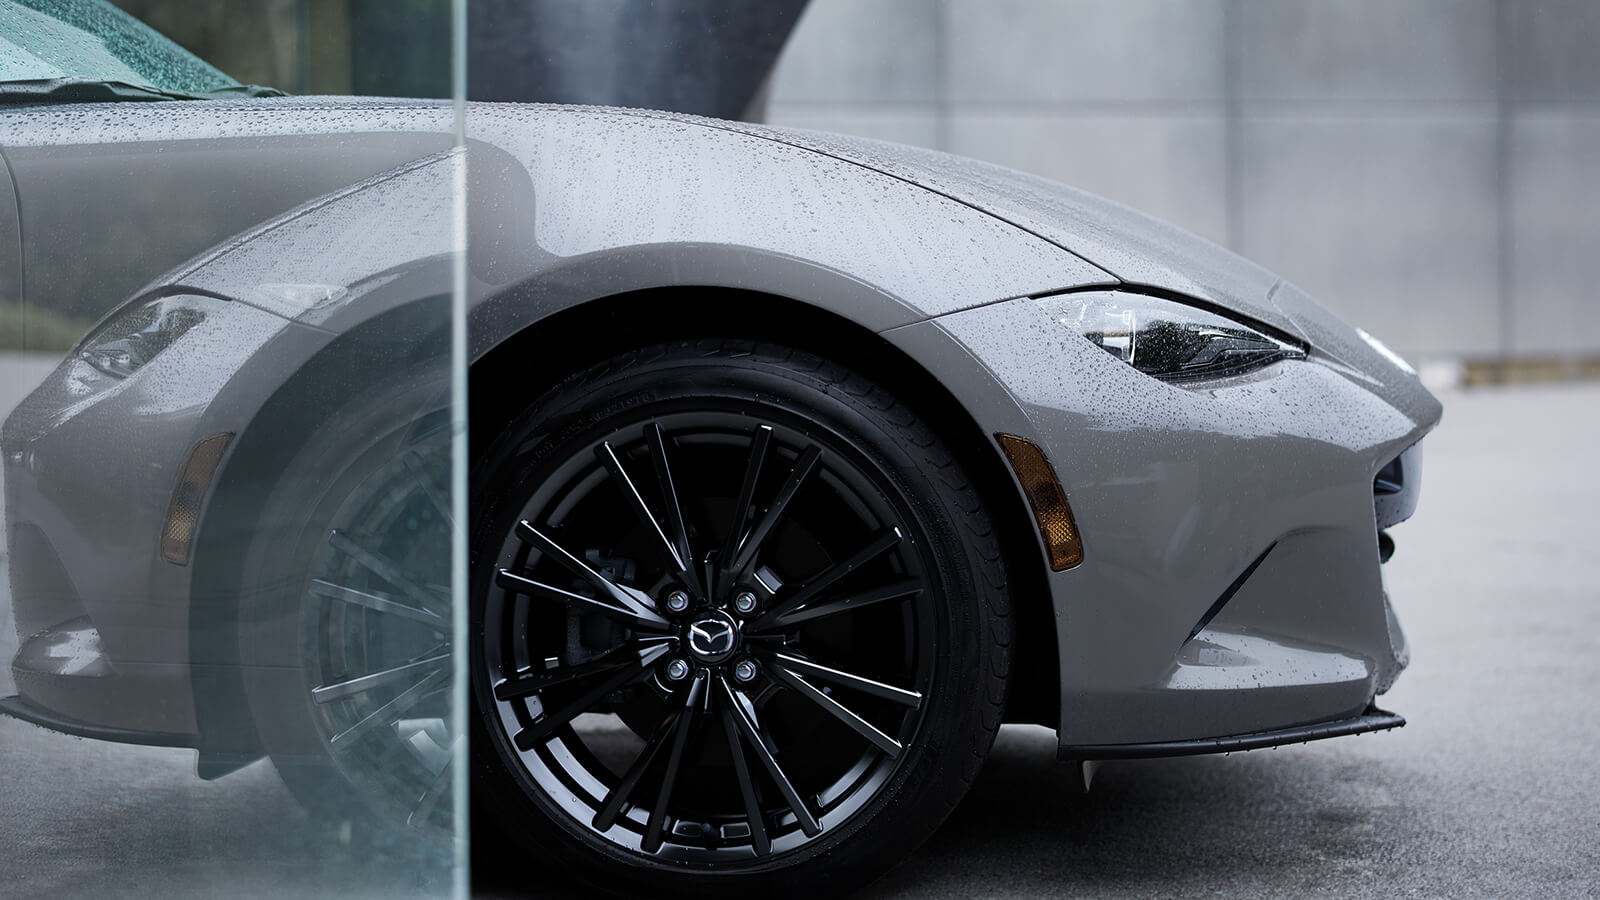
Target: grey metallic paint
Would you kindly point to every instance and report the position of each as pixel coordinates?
(10, 238)
(1176, 490)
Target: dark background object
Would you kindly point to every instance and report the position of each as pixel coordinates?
(399, 48)
(710, 57)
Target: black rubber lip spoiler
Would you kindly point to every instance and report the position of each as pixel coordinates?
(1374, 719)
(19, 708)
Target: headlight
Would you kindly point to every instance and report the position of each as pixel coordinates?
(134, 336)
(1167, 340)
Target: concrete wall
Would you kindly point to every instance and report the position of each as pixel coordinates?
(1428, 168)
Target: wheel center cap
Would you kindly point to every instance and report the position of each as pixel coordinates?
(713, 637)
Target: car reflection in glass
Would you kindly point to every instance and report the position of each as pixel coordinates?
(798, 464)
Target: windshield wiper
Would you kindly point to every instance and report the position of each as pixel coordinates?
(89, 90)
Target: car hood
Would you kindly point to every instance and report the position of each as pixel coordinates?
(1129, 246)
(1134, 248)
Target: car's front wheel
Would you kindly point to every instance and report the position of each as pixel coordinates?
(739, 624)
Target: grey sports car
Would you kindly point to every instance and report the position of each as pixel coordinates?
(799, 463)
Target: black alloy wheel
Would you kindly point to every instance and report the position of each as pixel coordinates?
(345, 624)
(377, 636)
(738, 618)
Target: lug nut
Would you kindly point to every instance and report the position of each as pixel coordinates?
(744, 671)
(744, 602)
(677, 670)
(677, 601)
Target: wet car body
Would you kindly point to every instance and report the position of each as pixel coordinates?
(1229, 593)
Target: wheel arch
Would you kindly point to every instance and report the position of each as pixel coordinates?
(391, 343)
(535, 357)
(538, 355)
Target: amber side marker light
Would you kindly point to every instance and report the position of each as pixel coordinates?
(1048, 500)
(183, 514)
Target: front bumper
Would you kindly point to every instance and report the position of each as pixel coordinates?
(1230, 582)
(90, 466)
(101, 624)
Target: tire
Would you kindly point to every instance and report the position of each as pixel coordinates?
(345, 624)
(804, 746)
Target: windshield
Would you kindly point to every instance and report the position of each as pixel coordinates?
(93, 41)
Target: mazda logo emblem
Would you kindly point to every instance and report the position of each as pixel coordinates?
(711, 638)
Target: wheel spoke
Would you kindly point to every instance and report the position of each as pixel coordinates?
(658, 813)
(880, 544)
(836, 709)
(619, 796)
(363, 683)
(677, 532)
(747, 493)
(747, 784)
(669, 550)
(774, 513)
(389, 712)
(519, 584)
(625, 674)
(384, 568)
(899, 590)
(744, 718)
(438, 499)
(802, 666)
(527, 682)
(376, 602)
(435, 790)
(624, 597)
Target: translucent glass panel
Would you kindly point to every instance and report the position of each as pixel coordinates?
(229, 378)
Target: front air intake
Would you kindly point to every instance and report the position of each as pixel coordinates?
(1394, 489)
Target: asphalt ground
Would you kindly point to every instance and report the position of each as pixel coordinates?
(1493, 790)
